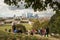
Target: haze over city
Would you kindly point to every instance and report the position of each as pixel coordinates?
(6, 11)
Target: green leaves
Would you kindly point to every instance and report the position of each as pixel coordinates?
(36, 4)
(36, 25)
(21, 27)
(11, 2)
(7, 2)
(55, 23)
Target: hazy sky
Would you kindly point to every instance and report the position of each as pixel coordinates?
(5, 11)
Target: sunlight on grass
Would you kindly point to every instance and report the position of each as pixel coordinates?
(28, 26)
(5, 27)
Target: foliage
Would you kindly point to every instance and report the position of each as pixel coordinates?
(3, 35)
(36, 25)
(32, 19)
(11, 2)
(28, 26)
(11, 36)
(3, 27)
(35, 4)
(21, 27)
(44, 24)
(54, 23)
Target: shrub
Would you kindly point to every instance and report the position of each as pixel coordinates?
(21, 27)
(54, 23)
(11, 36)
(36, 25)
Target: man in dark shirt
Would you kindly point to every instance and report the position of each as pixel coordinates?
(47, 31)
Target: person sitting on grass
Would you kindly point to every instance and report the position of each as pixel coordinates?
(15, 31)
(19, 31)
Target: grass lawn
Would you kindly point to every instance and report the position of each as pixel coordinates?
(5, 27)
(2, 33)
(28, 27)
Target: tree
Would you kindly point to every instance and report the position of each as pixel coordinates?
(21, 27)
(12, 2)
(44, 24)
(54, 23)
(36, 25)
(35, 4)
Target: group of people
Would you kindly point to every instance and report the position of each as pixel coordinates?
(42, 31)
(15, 30)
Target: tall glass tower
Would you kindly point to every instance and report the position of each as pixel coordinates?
(29, 15)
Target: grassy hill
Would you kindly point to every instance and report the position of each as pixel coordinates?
(11, 36)
(28, 26)
(3, 27)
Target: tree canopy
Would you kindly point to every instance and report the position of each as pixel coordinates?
(35, 4)
(54, 23)
(21, 27)
(36, 25)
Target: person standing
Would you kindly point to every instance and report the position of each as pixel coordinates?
(13, 26)
(43, 31)
(39, 31)
(47, 31)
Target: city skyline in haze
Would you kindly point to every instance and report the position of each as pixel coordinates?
(5, 11)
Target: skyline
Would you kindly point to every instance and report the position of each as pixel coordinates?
(5, 11)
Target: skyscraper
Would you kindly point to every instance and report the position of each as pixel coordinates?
(29, 15)
(36, 16)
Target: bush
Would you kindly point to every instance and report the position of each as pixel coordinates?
(11, 36)
(21, 27)
(36, 25)
(54, 23)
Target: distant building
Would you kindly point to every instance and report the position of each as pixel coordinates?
(36, 16)
(1, 23)
(8, 21)
(29, 15)
(23, 15)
